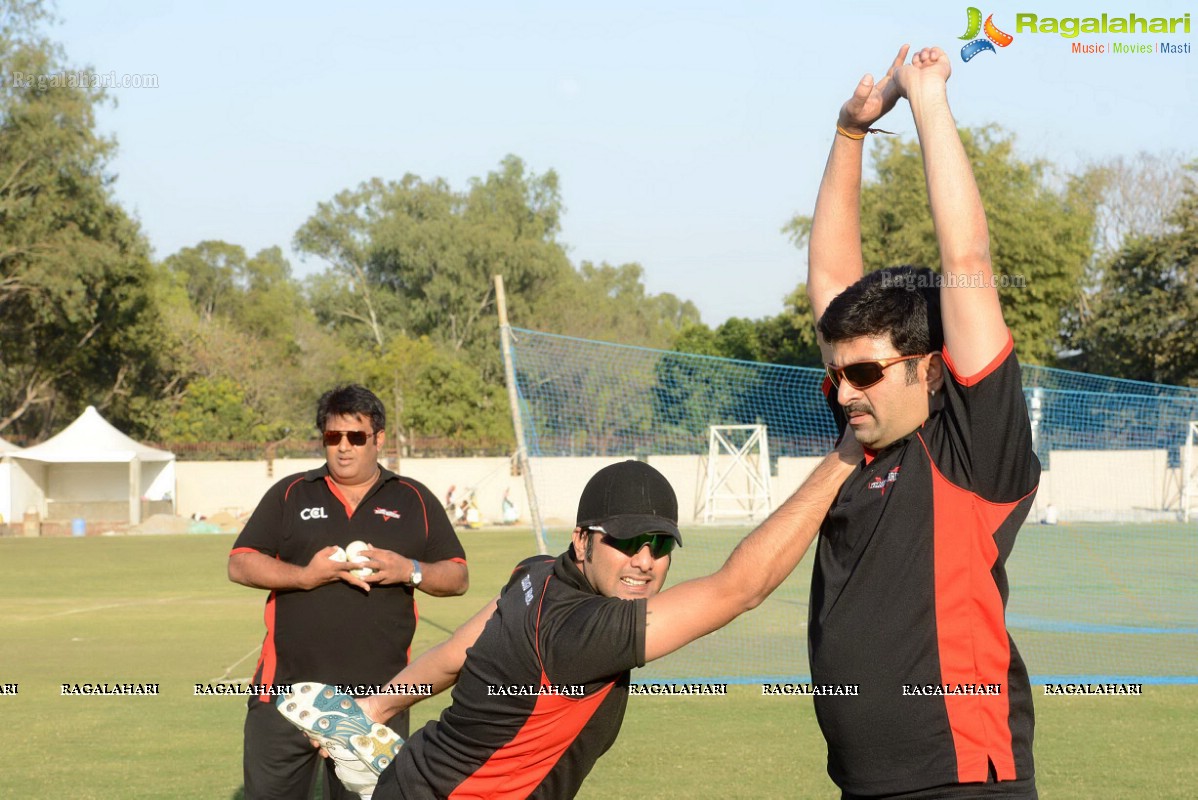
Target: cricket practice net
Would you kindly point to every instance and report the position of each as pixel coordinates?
(1104, 576)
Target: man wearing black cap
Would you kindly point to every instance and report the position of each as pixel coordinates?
(542, 691)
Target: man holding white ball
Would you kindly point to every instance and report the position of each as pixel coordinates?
(342, 550)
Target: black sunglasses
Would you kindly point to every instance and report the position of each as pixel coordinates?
(864, 374)
(356, 438)
(660, 544)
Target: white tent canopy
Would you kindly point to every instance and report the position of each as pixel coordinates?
(92, 439)
(79, 467)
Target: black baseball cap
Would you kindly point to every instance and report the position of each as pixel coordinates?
(628, 499)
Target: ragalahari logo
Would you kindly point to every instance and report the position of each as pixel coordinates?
(993, 35)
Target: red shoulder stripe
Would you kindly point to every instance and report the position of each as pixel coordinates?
(971, 380)
(287, 492)
(423, 508)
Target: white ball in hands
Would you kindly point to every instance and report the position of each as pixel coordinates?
(339, 555)
(353, 554)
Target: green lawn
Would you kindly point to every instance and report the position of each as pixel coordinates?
(160, 610)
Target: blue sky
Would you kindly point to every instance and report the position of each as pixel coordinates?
(684, 134)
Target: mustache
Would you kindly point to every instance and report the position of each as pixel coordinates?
(857, 408)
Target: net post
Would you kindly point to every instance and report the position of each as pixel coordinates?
(1034, 397)
(509, 374)
(1189, 472)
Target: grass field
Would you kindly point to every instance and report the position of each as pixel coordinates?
(160, 610)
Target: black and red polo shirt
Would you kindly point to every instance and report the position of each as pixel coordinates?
(540, 698)
(909, 594)
(337, 633)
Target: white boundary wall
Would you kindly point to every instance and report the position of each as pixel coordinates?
(1117, 485)
(1082, 485)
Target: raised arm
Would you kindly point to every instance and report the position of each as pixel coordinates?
(834, 248)
(974, 331)
(438, 667)
(756, 567)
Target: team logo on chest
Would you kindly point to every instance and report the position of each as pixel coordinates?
(386, 513)
(881, 482)
(313, 513)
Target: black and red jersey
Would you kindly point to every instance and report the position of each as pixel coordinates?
(337, 633)
(909, 594)
(540, 698)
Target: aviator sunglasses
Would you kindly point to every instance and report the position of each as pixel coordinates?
(864, 374)
(660, 544)
(356, 438)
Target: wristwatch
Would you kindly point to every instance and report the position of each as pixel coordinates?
(417, 577)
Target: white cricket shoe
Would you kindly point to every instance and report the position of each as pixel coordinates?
(360, 748)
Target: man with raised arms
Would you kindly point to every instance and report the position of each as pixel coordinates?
(909, 585)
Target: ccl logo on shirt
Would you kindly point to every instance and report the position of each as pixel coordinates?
(313, 513)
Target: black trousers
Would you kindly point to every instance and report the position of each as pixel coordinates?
(280, 762)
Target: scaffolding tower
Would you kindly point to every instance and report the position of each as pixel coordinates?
(736, 483)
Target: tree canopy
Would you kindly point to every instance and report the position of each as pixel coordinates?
(1144, 315)
(212, 344)
(416, 257)
(76, 314)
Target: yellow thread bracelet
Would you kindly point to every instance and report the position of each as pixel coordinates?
(856, 137)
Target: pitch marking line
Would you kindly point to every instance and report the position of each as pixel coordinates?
(106, 607)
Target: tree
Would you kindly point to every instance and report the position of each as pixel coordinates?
(431, 392)
(787, 338)
(76, 315)
(1137, 196)
(610, 303)
(698, 393)
(257, 295)
(211, 410)
(1041, 233)
(415, 257)
(240, 333)
(207, 274)
(1132, 197)
(413, 261)
(1145, 313)
(342, 232)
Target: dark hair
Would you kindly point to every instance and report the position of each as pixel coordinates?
(902, 302)
(351, 400)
